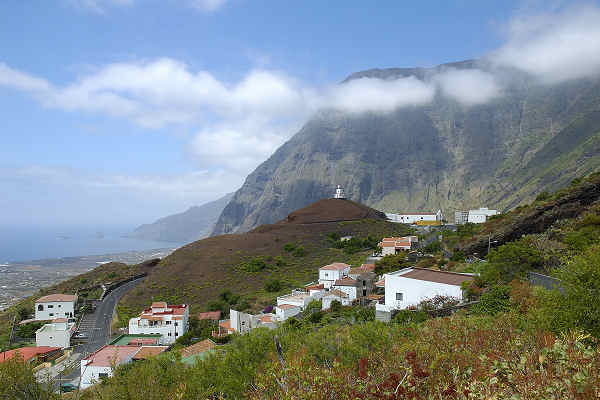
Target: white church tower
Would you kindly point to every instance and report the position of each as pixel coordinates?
(339, 193)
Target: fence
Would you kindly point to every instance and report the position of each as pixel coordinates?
(544, 281)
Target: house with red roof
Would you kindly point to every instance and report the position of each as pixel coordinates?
(330, 273)
(396, 245)
(170, 321)
(32, 355)
(410, 286)
(100, 364)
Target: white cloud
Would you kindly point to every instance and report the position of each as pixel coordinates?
(468, 86)
(554, 47)
(376, 95)
(22, 81)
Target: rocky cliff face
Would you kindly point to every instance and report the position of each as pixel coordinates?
(444, 155)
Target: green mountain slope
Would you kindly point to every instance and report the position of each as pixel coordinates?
(444, 155)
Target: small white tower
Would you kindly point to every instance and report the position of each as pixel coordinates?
(339, 193)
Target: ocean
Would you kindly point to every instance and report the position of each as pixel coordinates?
(35, 243)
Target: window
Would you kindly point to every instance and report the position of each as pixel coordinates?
(50, 306)
(176, 334)
(51, 315)
(103, 375)
(364, 292)
(175, 323)
(66, 314)
(364, 283)
(169, 333)
(40, 308)
(168, 322)
(326, 275)
(399, 296)
(59, 306)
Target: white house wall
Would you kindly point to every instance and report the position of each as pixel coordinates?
(54, 309)
(414, 291)
(53, 338)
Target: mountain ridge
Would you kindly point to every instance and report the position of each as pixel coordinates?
(195, 223)
(439, 155)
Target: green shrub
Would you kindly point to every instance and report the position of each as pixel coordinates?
(336, 306)
(273, 285)
(543, 196)
(299, 251)
(494, 301)
(289, 247)
(256, 264)
(390, 263)
(410, 316)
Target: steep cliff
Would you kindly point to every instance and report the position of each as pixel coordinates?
(446, 155)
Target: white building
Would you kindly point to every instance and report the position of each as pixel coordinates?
(55, 306)
(481, 215)
(298, 298)
(335, 295)
(99, 365)
(169, 321)
(413, 218)
(242, 322)
(339, 193)
(56, 334)
(286, 311)
(332, 272)
(395, 245)
(349, 286)
(410, 286)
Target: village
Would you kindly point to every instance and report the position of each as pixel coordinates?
(156, 329)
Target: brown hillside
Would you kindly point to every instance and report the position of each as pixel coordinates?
(200, 271)
(332, 210)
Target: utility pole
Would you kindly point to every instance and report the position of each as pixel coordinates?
(490, 241)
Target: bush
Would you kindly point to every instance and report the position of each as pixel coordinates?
(289, 247)
(256, 264)
(336, 306)
(511, 260)
(458, 256)
(433, 247)
(274, 285)
(410, 316)
(494, 301)
(299, 251)
(390, 263)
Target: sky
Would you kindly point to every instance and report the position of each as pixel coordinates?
(118, 112)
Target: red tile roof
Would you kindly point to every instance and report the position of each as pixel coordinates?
(27, 353)
(430, 275)
(142, 341)
(335, 267)
(287, 306)
(345, 282)
(362, 269)
(197, 348)
(214, 315)
(395, 242)
(159, 304)
(315, 287)
(338, 293)
(380, 283)
(57, 297)
(149, 351)
(58, 320)
(110, 354)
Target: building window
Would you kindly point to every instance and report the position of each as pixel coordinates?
(66, 314)
(169, 333)
(51, 315)
(102, 375)
(40, 308)
(168, 322)
(176, 334)
(175, 323)
(50, 306)
(364, 283)
(399, 296)
(326, 275)
(364, 292)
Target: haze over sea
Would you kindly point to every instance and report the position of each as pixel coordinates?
(34, 243)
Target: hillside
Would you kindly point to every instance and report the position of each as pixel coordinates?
(195, 223)
(198, 272)
(444, 155)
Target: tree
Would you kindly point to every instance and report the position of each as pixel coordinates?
(511, 260)
(274, 285)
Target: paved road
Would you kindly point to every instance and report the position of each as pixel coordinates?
(99, 329)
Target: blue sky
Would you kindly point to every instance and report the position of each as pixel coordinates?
(122, 111)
